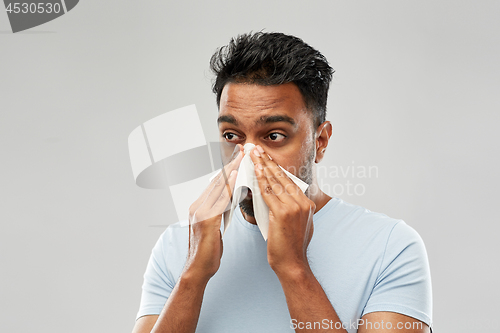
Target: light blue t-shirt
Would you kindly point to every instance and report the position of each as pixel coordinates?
(365, 262)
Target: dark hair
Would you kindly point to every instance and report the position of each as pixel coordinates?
(272, 59)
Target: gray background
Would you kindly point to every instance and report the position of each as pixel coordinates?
(416, 94)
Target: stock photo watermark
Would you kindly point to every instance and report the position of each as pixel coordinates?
(187, 167)
(349, 180)
(24, 15)
(372, 325)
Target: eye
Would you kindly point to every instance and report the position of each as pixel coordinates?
(276, 137)
(229, 136)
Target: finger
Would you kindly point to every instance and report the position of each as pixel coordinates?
(237, 149)
(228, 151)
(222, 182)
(226, 196)
(211, 208)
(233, 163)
(278, 175)
(220, 179)
(280, 188)
(226, 170)
(271, 200)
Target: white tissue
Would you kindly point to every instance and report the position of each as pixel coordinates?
(247, 179)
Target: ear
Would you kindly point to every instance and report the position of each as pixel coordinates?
(323, 134)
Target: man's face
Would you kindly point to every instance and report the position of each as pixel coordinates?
(274, 117)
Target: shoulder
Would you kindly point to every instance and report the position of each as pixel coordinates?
(172, 242)
(346, 219)
(169, 253)
(362, 230)
(174, 235)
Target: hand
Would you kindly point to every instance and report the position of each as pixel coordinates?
(290, 216)
(205, 214)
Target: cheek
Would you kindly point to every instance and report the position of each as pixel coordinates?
(296, 156)
(226, 150)
(288, 163)
(308, 143)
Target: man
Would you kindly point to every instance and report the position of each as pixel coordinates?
(327, 266)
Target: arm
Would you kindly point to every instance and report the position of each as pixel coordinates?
(307, 302)
(145, 324)
(390, 321)
(182, 309)
(180, 313)
(402, 295)
(290, 231)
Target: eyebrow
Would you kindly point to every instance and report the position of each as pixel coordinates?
(275, 119)
(262, 120)
(227, 119)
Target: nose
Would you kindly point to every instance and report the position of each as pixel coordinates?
(248, 147)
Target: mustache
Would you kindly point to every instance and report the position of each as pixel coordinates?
(246, 206)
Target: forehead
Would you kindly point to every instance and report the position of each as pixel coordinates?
(249, 102)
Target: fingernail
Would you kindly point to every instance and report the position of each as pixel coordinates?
(260, 149)
(259, 166)
(256, 152)
(233, 173)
